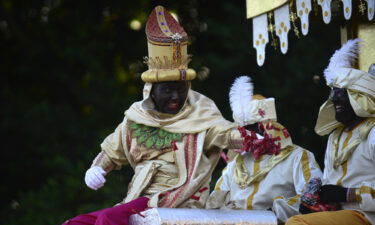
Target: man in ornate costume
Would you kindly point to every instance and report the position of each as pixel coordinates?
(348, 116)
(263, 180)
(172, 138)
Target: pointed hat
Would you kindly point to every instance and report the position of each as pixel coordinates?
(167, 49)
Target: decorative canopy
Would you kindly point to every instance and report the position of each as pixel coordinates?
(277, 17)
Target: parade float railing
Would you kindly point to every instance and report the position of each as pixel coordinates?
(172, 216)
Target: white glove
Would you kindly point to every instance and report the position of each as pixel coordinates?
(94, 177)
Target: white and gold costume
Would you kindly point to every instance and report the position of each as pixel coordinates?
(357, 171)
(279, 185)
(350, 154)
(273, 181)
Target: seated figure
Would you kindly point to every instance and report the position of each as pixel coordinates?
(349, 163)
(172, 138)
(260, 179)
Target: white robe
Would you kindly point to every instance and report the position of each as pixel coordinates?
(280, 189)
(357, 172)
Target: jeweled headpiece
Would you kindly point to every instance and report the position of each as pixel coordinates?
(167, 49)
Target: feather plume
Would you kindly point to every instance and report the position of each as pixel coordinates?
(240, 96)
(342, 58)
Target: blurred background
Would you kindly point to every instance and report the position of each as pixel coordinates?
(69, 70)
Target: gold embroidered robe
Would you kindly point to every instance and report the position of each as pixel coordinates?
(171, 177)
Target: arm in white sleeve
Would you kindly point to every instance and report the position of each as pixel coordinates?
(327, 163)
(304, 168)
(365, 194)
(218, 196)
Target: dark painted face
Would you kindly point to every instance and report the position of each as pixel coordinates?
(344, 111)
(169, 97)
(254, 127)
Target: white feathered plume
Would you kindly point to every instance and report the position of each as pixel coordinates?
(240, 96)
(342, 58)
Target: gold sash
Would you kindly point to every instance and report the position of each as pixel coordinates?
(339, 157)
(241, 174)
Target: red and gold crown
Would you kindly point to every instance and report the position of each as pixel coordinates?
(167, 49)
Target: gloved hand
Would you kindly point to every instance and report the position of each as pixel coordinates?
(333, 194)
(94, 177)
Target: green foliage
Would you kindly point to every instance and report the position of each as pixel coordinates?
(69, 69)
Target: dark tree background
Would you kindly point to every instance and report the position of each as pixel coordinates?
(69, 70)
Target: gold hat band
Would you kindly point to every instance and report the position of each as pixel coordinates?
(162, 75)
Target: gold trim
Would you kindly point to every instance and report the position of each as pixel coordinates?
(344, 171)
(166, 62)
(218, 184)
(367, 190)
(251, 197)
(256, 186)
(358, 195)
(242, 176)
(293, 200)
(278, 197)
(257, 7)
(162, 75)
(162, 22)
(345, 164)
(305, 166)
(335, 143)
(165, 43)
(350, 134)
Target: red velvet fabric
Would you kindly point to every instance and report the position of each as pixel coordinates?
(117, 215)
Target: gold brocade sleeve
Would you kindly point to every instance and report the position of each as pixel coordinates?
(113, 145)
(218, 138)
(104, 162)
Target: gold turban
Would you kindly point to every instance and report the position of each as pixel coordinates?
(361, 91)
